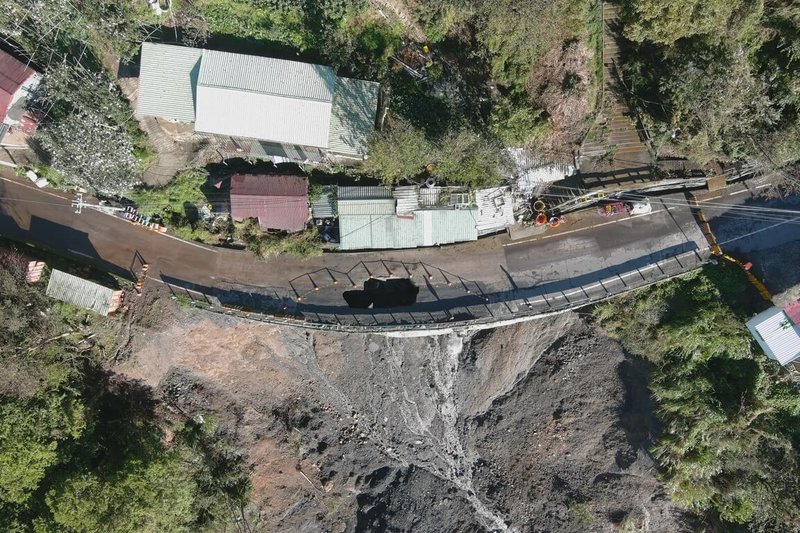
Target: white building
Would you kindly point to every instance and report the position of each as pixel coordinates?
(777, 334)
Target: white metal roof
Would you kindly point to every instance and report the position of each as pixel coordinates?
(167, 81)
(777, 335)
(262, 116)
(496, 209)
(375, 206)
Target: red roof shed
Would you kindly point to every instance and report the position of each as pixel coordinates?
(277, 201)
(13, 74)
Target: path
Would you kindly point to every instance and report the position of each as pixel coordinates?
(614, 152)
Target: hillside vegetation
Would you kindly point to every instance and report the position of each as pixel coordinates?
(721, 76)
(82, 450)
(731, 417)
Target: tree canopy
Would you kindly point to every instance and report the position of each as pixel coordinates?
(731, 416)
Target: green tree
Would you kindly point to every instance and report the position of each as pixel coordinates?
(666, 21)
(400, 152)
(466, 158)
(30, 432)
(731, 417)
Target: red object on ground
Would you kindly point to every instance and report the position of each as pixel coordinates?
(541, 219)
(13, 74)
(747, 266)
(611, 210)
(277, 201)
(793, 312)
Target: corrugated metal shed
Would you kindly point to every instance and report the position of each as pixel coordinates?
(277, 201)
(267, 75)
(383, 206)
(448, 226)
(407, 198)
(427, 227)
(168, 81)
(496, 209)
(239, 113)
(777, 335)
(80, 292)
(364, 232)
(363, 193)
(355, 103)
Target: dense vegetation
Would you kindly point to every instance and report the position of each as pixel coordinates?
(731, 416)
(89, 133)
(82, 450)
(722, 76)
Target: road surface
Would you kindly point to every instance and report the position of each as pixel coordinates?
(493, 277)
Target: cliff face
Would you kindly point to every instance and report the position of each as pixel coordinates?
(533, 427)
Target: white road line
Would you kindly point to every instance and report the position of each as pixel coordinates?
(190, 243)
(26, 186)
(762, 186)
(81, 253)
(738, 192)
(709, 199)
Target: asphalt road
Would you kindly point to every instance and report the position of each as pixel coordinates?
(467, 280)
(770, 240)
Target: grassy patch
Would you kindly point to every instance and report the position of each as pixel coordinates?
(269, 244)
(582, 511)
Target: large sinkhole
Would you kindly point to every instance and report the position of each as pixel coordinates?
(379, 293)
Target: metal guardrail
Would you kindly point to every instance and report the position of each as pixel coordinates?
(518, 304)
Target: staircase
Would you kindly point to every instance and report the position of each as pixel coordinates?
(614, 153)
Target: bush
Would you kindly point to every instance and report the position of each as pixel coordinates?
(266, 244)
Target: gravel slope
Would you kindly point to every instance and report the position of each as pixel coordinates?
(540, 426)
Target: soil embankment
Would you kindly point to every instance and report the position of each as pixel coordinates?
(540, 426)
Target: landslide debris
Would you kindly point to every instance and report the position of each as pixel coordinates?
(541, 426)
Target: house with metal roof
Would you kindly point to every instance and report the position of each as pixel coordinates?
(777, 333)
(382, 218)
(83, 293)
(17, 81)
(259, 106)
(279, 202)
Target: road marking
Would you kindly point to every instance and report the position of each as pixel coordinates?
(594, 226)
(81, 253)
(190, 243)
(709, 199)
(762, 186)
(37, 189)
(738, 192)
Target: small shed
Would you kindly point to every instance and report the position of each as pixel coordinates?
(777, 334)
(83, 293)
(278, 201)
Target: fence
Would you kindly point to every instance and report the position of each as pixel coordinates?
(482, 310)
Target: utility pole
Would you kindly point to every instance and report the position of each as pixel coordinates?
(78, 203)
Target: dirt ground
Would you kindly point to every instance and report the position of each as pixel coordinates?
(541, 426)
